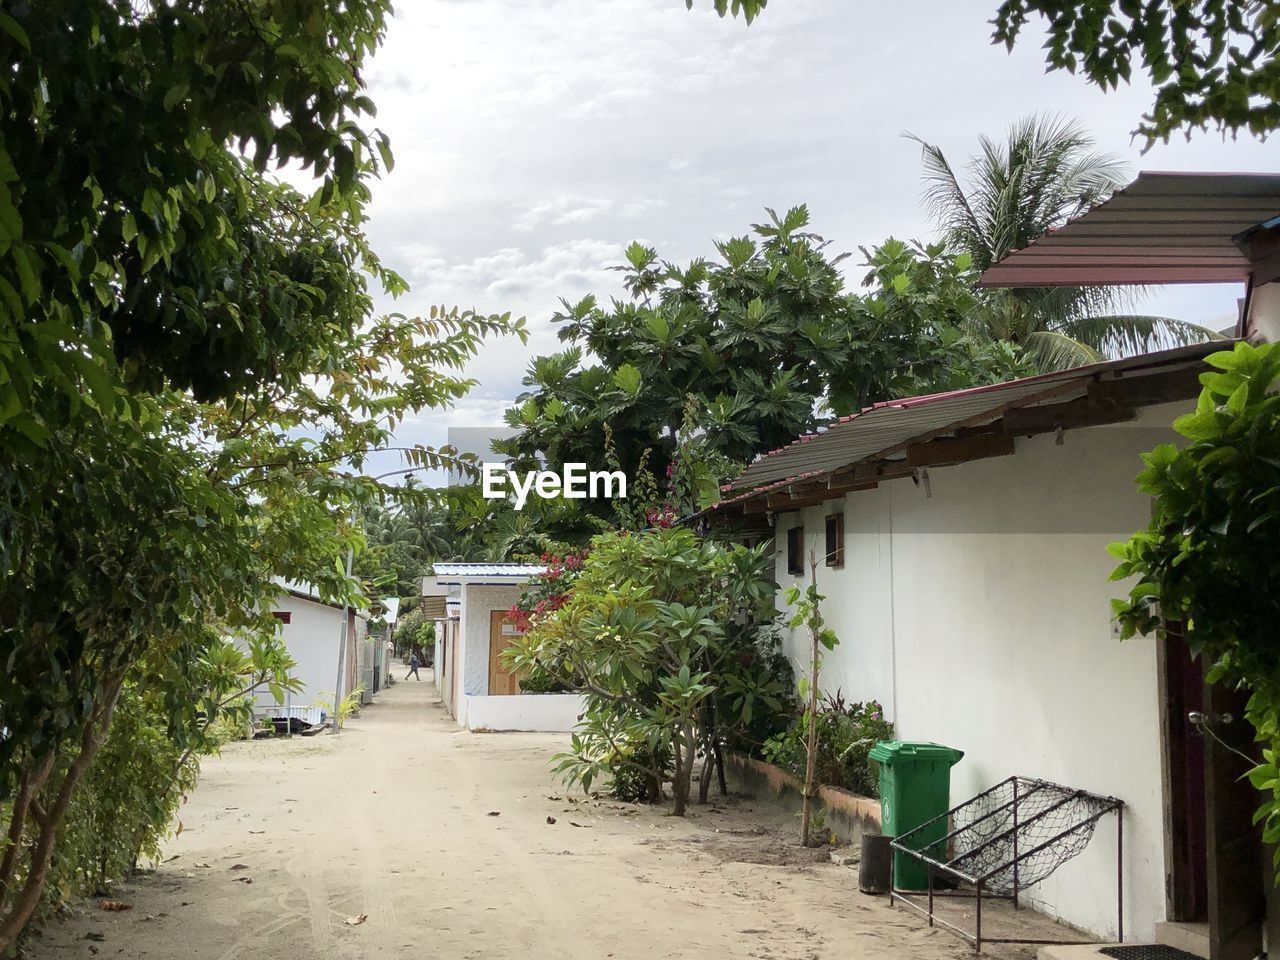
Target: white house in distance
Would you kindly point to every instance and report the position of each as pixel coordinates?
(961, 543)
(474, 686)
(312, 632)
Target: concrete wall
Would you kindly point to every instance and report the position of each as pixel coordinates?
(548, 712)
(846, 814)
(478, 602)
(440, 666)
(976, 608)
(437, 660)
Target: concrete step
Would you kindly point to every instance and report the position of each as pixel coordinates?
(1082, 951)
(1191, 937)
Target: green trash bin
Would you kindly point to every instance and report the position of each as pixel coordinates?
(915, 786)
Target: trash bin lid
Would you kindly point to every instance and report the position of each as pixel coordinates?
(897, 751)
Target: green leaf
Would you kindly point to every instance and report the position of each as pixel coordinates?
(1238, 400)
(627, 378)
(175, 95)
(15, 30)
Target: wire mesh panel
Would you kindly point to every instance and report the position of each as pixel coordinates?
(1007, 838)
(1024, 831)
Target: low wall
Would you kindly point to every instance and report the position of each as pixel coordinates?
(847, 815)
(548, 712)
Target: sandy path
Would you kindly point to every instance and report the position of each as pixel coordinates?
(391, 819)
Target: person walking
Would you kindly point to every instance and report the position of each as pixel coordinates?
(413, 666)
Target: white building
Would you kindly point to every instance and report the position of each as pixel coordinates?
(961, 545)
(474, 685)
(312, 632)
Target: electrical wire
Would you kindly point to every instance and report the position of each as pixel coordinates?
(1202, 724)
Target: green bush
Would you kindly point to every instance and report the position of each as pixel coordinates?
(846, 734)
(634, 782)
(659, 628)
(541, 680)
(758, 693)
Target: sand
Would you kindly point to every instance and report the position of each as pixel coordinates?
(441, 840)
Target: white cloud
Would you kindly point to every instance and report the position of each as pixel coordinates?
(534, 139)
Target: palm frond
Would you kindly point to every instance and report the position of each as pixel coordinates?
(1050, 351)
(1127, 335)
(945, 200)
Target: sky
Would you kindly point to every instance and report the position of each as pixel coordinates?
(535, 139)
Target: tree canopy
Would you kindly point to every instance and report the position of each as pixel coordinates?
(749, 350)
(1213, 63)
(140, 244)
(191, 376)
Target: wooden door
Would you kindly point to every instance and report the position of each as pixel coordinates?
(502, 682)
(1185, 805)
(1237, 902)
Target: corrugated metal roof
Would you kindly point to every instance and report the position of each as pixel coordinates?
(449, 572)
(883, 429)
(1162, 228)
(433, 608)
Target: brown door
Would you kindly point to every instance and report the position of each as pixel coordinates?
(1237, 903)
(1186, 842)
(501, 631)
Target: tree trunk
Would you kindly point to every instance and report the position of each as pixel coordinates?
(811, 742)
(19, 910)
(810, 749)
(683, 743)
(719, 755)
(678, 792)
(29, 787)
(708, 769)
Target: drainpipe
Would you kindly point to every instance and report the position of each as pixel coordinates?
(893, 621)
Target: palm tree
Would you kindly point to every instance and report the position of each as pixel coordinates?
(1043, 174)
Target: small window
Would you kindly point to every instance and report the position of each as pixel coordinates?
(835, 540)
(282, 616)
(795, 551)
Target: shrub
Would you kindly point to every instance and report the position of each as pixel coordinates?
(658, 629)
(542, 680)
(846, 734)
(634, 782)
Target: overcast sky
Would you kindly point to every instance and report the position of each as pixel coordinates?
(534, 139)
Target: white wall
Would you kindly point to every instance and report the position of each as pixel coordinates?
(1264, 312)
(980, 618)
(312, 636)
(478, 602)
(546, 712)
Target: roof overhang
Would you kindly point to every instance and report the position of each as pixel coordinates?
(896, 439)
(478, 574)
(1162, 228)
